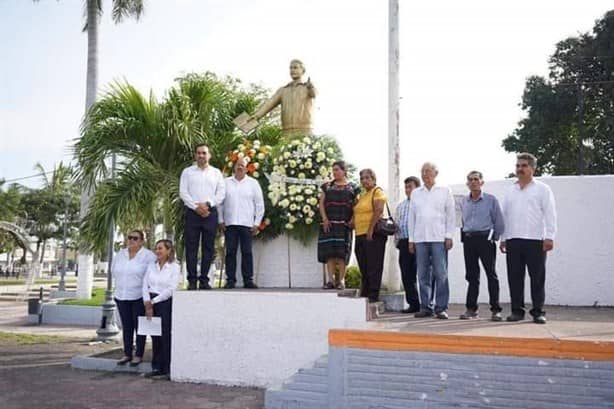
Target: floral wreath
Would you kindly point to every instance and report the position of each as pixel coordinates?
(299, 169)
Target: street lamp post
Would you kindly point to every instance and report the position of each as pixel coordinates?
(62, 285)
(108, 328)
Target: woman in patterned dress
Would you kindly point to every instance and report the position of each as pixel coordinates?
(335, 239)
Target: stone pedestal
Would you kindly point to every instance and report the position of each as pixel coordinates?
(285, 263)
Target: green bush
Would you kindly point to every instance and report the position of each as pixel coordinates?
(97, 299)
(352, 277)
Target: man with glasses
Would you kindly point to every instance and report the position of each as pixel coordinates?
(482, 227)
(202, 189)
(530, 225)
(431, 226)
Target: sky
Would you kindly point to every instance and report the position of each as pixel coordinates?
(463, 66)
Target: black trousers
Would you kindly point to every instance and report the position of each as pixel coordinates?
(370, 256)
(161, 346)
(129, 311)
(526, 254)
(199, 232)
(478, 249)
(235, 236)
(409, 273)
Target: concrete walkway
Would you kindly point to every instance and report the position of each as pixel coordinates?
(40, 375)
(14, 318)
(579, 323)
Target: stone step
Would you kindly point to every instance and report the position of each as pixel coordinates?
(284, 399)
(461, 391)
(349, 292)
(318, 387)
(498, 379)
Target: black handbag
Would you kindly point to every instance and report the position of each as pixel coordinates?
(385, 226)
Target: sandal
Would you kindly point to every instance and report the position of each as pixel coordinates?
(341, 285)
(329, 286)
(124, 360)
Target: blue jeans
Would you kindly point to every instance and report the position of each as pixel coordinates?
(432, 261)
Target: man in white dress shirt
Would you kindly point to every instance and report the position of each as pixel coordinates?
(530, 225)
(240, 217)
(201, 188)
(431, 227)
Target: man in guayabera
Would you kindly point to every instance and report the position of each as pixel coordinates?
(296, 99)
(530, 226)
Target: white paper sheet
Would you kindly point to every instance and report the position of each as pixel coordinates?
(147, 327)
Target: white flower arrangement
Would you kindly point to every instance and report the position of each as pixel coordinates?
(299, 168)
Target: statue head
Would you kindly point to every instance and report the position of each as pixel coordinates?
(297, 69)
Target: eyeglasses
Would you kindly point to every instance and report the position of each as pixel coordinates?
(134, 238)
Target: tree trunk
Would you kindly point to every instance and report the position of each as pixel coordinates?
(42, 252)
(86, 263)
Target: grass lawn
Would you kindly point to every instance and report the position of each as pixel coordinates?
(96, 300)
(13, 281)
(9, 338)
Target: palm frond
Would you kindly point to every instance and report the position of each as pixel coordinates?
(131, 198)
(127, 8)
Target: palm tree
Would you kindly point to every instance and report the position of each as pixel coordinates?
(154, 142)
(120, 10)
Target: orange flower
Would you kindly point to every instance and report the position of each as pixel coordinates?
(234, 156)
(251, 168)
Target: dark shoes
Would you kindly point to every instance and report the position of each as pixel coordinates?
(204, 286)
(329, 286)
(496, 316)
(423, 314)
(124, 360)
(229, 285)
(514, 317)
(250, 284)
(442, 315)
(540, 319)
(469, 314)
(157, 374)
(410, 310)
(191, 286)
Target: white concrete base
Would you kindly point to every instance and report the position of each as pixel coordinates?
(285, 263)
(62, 294)
(255, 337)
(74, 315)
(91, 363)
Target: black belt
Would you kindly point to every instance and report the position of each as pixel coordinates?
(211, 208)
(469, 234)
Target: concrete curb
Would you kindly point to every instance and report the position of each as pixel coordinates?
(90, 363)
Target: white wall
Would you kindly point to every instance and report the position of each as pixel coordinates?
(580, 270)
(254, 338)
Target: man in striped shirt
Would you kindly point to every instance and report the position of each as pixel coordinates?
(407, 260)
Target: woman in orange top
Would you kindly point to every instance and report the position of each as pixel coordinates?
(370, 246)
